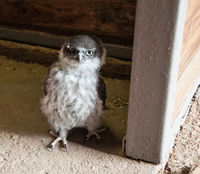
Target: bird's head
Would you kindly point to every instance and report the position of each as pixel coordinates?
(82, 49)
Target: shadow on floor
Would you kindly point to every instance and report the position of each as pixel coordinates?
(107, 144)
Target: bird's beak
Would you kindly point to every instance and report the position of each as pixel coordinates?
(81, 57)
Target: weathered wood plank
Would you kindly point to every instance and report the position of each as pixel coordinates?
(189, 63)
(114, 18)
(191, 39)
(185, 84)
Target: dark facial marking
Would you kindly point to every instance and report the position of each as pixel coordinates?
(70, 50)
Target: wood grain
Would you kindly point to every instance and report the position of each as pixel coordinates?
(189, 68)
(186, 83)
(191, 38)
(108, 18)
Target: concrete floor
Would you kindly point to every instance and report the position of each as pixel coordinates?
(23, 129)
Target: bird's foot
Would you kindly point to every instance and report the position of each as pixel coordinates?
(56, 140)
(90, 134)
(65, 145)
(95, 133)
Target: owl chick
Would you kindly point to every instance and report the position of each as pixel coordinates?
(74, 93)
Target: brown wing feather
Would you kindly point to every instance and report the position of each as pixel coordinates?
(102, 91)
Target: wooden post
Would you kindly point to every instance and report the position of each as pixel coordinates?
(156, 53)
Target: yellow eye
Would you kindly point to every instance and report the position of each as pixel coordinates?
(89, 53)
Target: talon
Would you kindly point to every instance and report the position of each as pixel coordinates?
(88, 136)
(96, 133)
(65, 146)
(50, 148)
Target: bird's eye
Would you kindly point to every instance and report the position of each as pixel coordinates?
(89, 53)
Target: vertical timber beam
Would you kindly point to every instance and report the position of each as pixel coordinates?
(156, 55)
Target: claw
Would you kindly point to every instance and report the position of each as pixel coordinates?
(88, 136)
(50, 148)
(95, 133)
(65, 146)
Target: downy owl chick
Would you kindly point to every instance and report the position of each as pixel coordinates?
(74, 93)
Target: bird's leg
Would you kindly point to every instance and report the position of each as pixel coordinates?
(64, 142)
(55, 142)
(95, 133)
(61, 137)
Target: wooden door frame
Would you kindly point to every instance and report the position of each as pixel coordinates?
(156, 55)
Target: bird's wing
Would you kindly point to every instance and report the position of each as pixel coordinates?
(45, 83)
(45, 86)
(102, 91)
